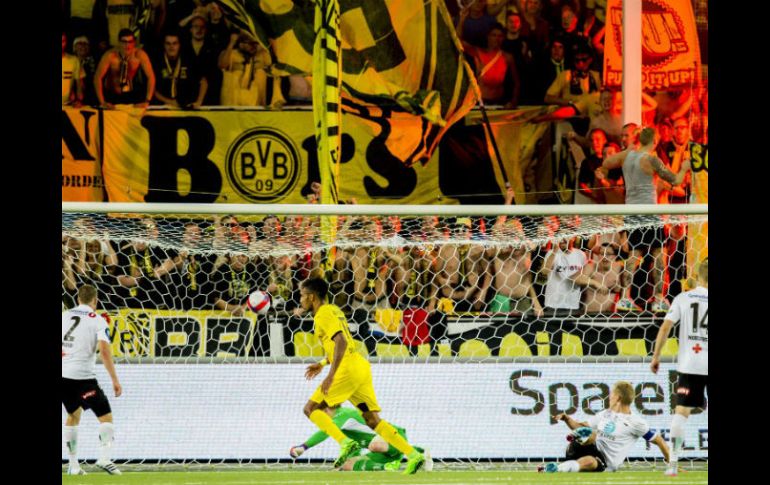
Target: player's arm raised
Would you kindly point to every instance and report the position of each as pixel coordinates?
(106, 353)
(663, 331)
(340, 346)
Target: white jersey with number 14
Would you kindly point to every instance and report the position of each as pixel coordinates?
(691, 310)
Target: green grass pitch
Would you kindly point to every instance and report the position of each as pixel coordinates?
(293, 477)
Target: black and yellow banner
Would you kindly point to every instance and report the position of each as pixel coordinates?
(193, 333)
(81, 173)
(254, 157)
(698, 235)
(400, 55)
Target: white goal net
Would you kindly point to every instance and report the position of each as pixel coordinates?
(481, 322)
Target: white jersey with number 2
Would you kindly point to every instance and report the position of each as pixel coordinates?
(81, 329)
(691, 310)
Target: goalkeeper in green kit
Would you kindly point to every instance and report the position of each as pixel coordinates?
(381, 455)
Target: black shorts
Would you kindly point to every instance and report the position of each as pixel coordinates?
(691, 390)
(84, 394)
(575, 450)
(646, 237)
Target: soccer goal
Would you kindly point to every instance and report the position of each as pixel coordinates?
(481, 322)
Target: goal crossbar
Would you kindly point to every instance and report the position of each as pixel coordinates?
(380, 209)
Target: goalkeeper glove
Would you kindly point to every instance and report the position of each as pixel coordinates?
(296, 451)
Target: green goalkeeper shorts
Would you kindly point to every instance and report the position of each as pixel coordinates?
(375, 462)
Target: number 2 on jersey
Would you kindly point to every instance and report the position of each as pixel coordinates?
(697, 323)
(68, 336)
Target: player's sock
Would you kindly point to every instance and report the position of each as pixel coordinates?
(569, 466)
(71, 438)
(677, 436)
(389, 434)
(325, 424)
(106, 437)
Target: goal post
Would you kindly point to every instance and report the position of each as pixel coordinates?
(475, 338)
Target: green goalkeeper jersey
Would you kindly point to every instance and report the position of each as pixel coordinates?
(353, 425)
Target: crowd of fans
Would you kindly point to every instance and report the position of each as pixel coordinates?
(184, 55)
(450, 265)
(180, 54)
(524, 52)
(427, 269)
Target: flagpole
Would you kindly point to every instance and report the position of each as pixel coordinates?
(475, 86)
(327, 115)
(488, 127)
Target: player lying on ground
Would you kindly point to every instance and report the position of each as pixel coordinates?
(604, 441)
(381, 456)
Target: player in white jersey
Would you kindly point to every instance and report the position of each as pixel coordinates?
(603, 442)
(82, 333)
(691, 310)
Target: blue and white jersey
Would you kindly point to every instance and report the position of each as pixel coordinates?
(616, 433)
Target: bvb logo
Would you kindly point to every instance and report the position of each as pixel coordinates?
(263, 164)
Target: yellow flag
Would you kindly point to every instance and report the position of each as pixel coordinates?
(398, 56)
(326, 113)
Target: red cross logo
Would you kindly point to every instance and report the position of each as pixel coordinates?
(697, 348)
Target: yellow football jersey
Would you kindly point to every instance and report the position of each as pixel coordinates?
(328, 321)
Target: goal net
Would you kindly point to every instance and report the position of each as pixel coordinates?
(481, 322)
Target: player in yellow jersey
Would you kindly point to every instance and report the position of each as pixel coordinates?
(349, 379)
